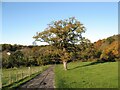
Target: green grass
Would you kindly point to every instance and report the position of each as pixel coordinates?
(24, 70)
(83, 75)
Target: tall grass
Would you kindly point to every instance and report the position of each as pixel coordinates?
(12, 75)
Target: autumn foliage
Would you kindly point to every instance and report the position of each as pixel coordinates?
(65, 44)
(109, 48)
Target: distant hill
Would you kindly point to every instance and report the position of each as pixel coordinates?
(110, 44)
(104, 50)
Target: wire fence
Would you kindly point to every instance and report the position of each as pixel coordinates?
(14, 75)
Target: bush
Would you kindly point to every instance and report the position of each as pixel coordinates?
(108, 57)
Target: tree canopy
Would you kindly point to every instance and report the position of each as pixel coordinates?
(63, 34)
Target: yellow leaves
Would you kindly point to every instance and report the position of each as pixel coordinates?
(98, 44)
(65, 56)
(113, 47)
(66, 31)
(78, 30)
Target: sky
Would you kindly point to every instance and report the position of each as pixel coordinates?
(21, 20)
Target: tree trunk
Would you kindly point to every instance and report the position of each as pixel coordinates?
(65, 65)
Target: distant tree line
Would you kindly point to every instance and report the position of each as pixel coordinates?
(105, 50)
(65, 44)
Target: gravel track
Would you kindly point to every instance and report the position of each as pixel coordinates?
(43, 80)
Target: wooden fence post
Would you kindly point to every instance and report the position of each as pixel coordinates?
(16, 76)
(21, 75)
(9, 78)
(29, 71)
(0, 82)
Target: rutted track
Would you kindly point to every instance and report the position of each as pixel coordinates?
(43, 80)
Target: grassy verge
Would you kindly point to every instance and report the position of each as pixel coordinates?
(87, 75)
(24, 80)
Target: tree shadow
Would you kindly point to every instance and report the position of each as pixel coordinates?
(92, 63)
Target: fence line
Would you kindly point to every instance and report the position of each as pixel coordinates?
(20, 74)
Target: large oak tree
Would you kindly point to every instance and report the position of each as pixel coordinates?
(62, 34)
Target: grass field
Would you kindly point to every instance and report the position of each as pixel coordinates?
(13, 77)
(87, 75)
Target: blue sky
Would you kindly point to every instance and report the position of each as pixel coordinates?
(21, 21)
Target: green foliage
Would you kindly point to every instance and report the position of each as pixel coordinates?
(30, 56)
(86, 52)
(62, 34)
(102, 50)
(107, 57)
(110, 40)
(9, 47)
(98, 54)
(16, 59)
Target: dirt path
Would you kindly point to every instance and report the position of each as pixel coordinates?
(43, 80)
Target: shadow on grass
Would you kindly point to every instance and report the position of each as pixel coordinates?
(92, 63)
